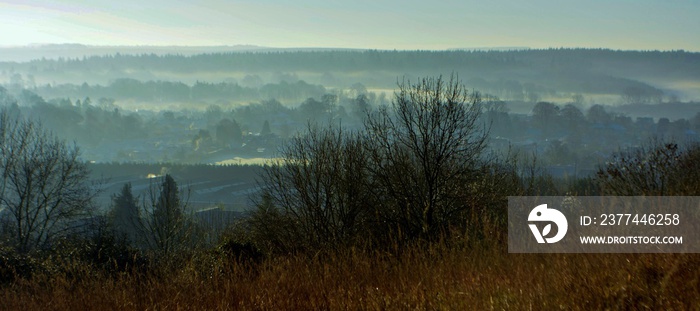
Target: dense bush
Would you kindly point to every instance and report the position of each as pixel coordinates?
(657, 168)
(15, 265)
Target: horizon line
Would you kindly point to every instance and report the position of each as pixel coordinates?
(255, 47)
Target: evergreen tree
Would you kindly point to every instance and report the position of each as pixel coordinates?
(168, 227)
(266, 129)
(124, 217)
(167, 215)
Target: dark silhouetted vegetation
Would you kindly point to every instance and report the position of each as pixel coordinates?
(44, 189)
(405, 209)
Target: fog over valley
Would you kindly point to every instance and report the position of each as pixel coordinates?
(572, 107)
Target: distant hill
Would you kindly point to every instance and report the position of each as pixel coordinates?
(72, 51)
(625, 77)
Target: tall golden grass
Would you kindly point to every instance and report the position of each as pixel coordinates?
(431, 278)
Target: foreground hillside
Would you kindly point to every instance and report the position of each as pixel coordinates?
(438, 278)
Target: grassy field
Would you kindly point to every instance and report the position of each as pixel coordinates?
(436, 278)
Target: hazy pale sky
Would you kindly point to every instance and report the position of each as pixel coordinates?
(377, 24)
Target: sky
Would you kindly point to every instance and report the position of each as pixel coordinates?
(371, 24)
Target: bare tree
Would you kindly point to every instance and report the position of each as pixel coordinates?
(43, 183)
(657, 168)
(318, 197)
(417, 170)
(425, 152)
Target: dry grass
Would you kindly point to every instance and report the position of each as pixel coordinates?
(436, 278)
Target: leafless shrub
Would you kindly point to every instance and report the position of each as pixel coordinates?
(657, 168)
(318, 197)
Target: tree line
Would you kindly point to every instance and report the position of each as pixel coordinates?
(167, 91)
(337, 60)
(514, 75)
